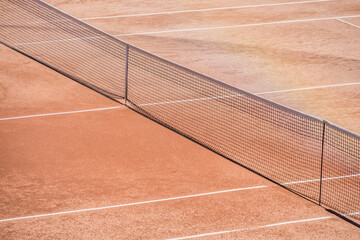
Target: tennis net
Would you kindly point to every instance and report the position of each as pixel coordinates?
(304, 154)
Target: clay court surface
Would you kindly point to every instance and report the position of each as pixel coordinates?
(77, 165)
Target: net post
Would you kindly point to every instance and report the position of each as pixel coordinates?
(126, 72)
(322, 160)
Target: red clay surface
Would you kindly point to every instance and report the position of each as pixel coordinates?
(78, 161)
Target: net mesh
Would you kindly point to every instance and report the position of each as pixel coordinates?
(341, 170)
(280, 144)
(304, 154)
(65, 44)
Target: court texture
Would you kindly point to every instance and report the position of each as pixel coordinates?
(179, 119)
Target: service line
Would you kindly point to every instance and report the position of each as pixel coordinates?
(169, 199)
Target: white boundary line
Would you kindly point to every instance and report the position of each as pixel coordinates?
(180, 11)
(324, 179)
(238, 26)
(61, 113)
(349, 23)
(309, 88)
(194, 29)
(180, 101)
(259, 93)
(167, 199)
(131, 204)
(204, 10)
(263, 226)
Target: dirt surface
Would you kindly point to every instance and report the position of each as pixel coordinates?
(59, 163)
(69, 162)
(258, 59)
(28, 87)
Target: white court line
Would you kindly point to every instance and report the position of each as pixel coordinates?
(260, 227)
(324, 179)
(186, 100)
(204, 10)
(61, 113)
(259, 93)
(182, 101)
(166, 199)
(349, 23)
(131, 204)
(175, 12)
(195, 29)
(238, 26)
(309, 88)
